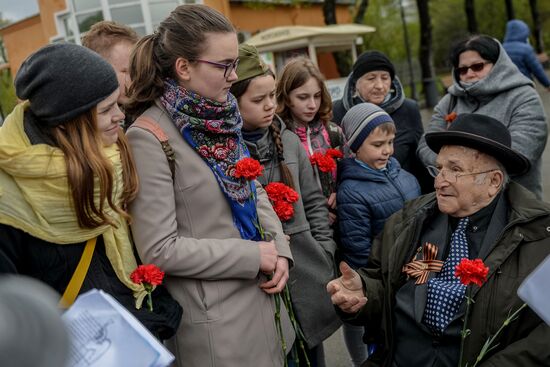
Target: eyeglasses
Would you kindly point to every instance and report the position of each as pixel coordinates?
(228, 68)
(476, 68)
(451, 176)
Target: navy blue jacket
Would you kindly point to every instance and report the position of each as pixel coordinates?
(521, 53)
(366, 198)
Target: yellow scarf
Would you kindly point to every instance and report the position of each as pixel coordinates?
(35, 197)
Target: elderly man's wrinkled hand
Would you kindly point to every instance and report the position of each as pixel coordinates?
(347, 292)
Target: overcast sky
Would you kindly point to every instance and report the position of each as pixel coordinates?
(15, 10)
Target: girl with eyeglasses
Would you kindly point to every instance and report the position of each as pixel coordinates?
(193, 217)
(486, 81)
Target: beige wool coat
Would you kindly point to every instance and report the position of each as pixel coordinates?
(185, 227)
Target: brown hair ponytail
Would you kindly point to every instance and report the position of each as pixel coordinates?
(146, 75)
(286, 175)
(181, 34)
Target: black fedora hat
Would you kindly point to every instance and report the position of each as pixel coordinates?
(482, 133)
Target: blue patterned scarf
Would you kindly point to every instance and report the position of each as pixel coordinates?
(213, 129)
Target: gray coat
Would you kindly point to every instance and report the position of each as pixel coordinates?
(185, 226)
(508, 96)
(310, 236)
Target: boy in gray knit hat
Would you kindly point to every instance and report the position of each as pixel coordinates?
(372, 187)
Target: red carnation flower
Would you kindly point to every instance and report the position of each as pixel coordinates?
(334, 153)
(315, 157)
(149, 274)
(450, 117)
(290, 196)
(283, 209)
(282, 197)
(323, 162)
(279, 191)
(249, 168)
(471, 272)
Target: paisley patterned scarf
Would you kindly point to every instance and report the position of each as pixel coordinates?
(213, 130)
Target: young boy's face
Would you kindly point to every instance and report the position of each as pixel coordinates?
(377, 148)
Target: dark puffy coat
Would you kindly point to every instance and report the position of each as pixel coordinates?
(366, 198)
(521, 53)
(523, 244)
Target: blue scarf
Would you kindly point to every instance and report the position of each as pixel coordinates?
(213, 130)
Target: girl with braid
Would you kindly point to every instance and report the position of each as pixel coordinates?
(280, 151)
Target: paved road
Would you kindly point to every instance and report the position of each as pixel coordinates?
(335, 350)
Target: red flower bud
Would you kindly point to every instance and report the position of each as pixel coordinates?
(324, 162)
(450, 117)
(334, 153)
(149, 274)
(471, 272)
(284, 210)
(282, 197)
(249, 168)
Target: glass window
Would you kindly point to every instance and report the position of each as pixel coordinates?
(116, 2)
(81, 5)
(67, 25)
(160, 10)
(87, 20)
(127, 14)
(140, 30)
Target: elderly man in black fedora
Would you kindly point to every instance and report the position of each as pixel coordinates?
(416, 317)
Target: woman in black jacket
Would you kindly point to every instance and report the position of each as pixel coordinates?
(66, 177)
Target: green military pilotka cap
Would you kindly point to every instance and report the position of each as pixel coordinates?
(250, 63)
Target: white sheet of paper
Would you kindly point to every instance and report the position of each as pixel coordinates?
(534, 290)
(104, 334)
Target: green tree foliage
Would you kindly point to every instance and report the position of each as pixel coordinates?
(388, 38)
(449, 23)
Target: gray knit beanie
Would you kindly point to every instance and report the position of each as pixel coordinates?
(64, 80)
(360, 121)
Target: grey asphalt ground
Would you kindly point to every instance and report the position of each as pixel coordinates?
(335, 350)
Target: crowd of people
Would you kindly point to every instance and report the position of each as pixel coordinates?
(277, 214)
